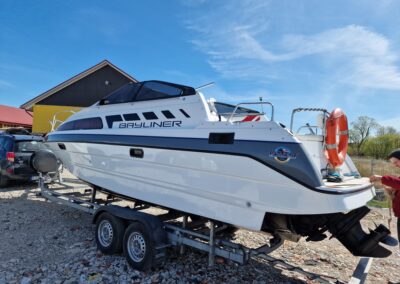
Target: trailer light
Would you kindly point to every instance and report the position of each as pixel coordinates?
(10, 156)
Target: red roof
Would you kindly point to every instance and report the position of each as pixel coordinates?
(15, 115)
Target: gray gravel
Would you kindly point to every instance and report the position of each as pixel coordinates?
(44, 242)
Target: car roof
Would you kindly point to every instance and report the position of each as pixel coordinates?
(28, 137)
(24, 137)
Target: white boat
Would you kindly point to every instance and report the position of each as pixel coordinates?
(165, 144)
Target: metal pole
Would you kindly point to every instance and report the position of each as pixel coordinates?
(211, 243)
(184, 222)
(361, 271)
(372, 166)
(93, 199)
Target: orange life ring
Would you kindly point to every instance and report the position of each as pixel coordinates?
(336, 125)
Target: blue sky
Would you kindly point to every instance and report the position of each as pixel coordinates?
(292, 53)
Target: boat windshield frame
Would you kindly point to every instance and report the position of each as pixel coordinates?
(147, 91)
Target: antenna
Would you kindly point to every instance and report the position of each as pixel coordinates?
(262, 108)
(205, 86)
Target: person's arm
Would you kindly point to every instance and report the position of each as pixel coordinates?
(393, 182)
(374, 178)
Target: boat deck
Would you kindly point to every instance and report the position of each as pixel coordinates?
(349, 182)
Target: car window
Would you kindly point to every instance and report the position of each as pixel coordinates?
(29, 146)
(2, 148)
(8, 144)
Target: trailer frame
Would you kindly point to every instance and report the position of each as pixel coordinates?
(181, 234)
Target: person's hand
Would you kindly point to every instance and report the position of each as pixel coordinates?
(389, 192)
(374, 178)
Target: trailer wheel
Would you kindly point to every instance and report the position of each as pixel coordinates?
(3, 181)
(138, 247)
(109, 233)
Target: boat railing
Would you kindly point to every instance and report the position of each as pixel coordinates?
(296, 110)
(312, 128)
(258, 113)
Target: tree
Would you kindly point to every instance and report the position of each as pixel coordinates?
(379, 147)
(361, 131)
(382, 130)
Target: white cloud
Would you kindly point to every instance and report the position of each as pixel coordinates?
(240, 44)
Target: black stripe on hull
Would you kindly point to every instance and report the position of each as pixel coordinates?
(298, 169)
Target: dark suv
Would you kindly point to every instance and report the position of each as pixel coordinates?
(16, 149)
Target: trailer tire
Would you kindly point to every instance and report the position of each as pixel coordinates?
(109, 233)
(3, 181)
(139, 249)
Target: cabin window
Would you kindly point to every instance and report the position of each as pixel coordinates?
(80, 124)
(184, 113)
(168, 114)
(150, 115)
(113, 118)
(131, 116)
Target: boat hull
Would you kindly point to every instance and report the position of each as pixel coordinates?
(232, 189)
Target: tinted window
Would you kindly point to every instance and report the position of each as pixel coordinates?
(122, 95)
(6, 144)
(2, 149)
(131, 116)
(223, 108)
(168, 114)
(86, 123)
(2, 139)
(155, 90)
(28, 146)
(150, 115)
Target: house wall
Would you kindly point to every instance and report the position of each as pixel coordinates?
(89, 89)
(43, 116)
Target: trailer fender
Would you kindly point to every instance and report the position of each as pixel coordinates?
(152, 223)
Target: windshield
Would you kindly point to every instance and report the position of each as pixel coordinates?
(147, 90)
(223, 108)
(29, 146)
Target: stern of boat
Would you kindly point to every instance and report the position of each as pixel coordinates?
(349, 194)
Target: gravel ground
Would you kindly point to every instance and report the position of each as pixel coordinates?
(44, 242)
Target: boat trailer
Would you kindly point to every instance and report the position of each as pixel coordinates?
(159, 232)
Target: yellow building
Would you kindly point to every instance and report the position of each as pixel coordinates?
(57, 104)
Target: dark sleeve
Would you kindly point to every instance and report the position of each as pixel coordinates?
(393, 182)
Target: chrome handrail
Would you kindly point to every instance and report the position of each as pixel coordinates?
(256, 103)
(305, 109)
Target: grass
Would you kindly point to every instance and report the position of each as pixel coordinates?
(367, 167)
(378, 203)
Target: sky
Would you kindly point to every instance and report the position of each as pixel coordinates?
(324, 54)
